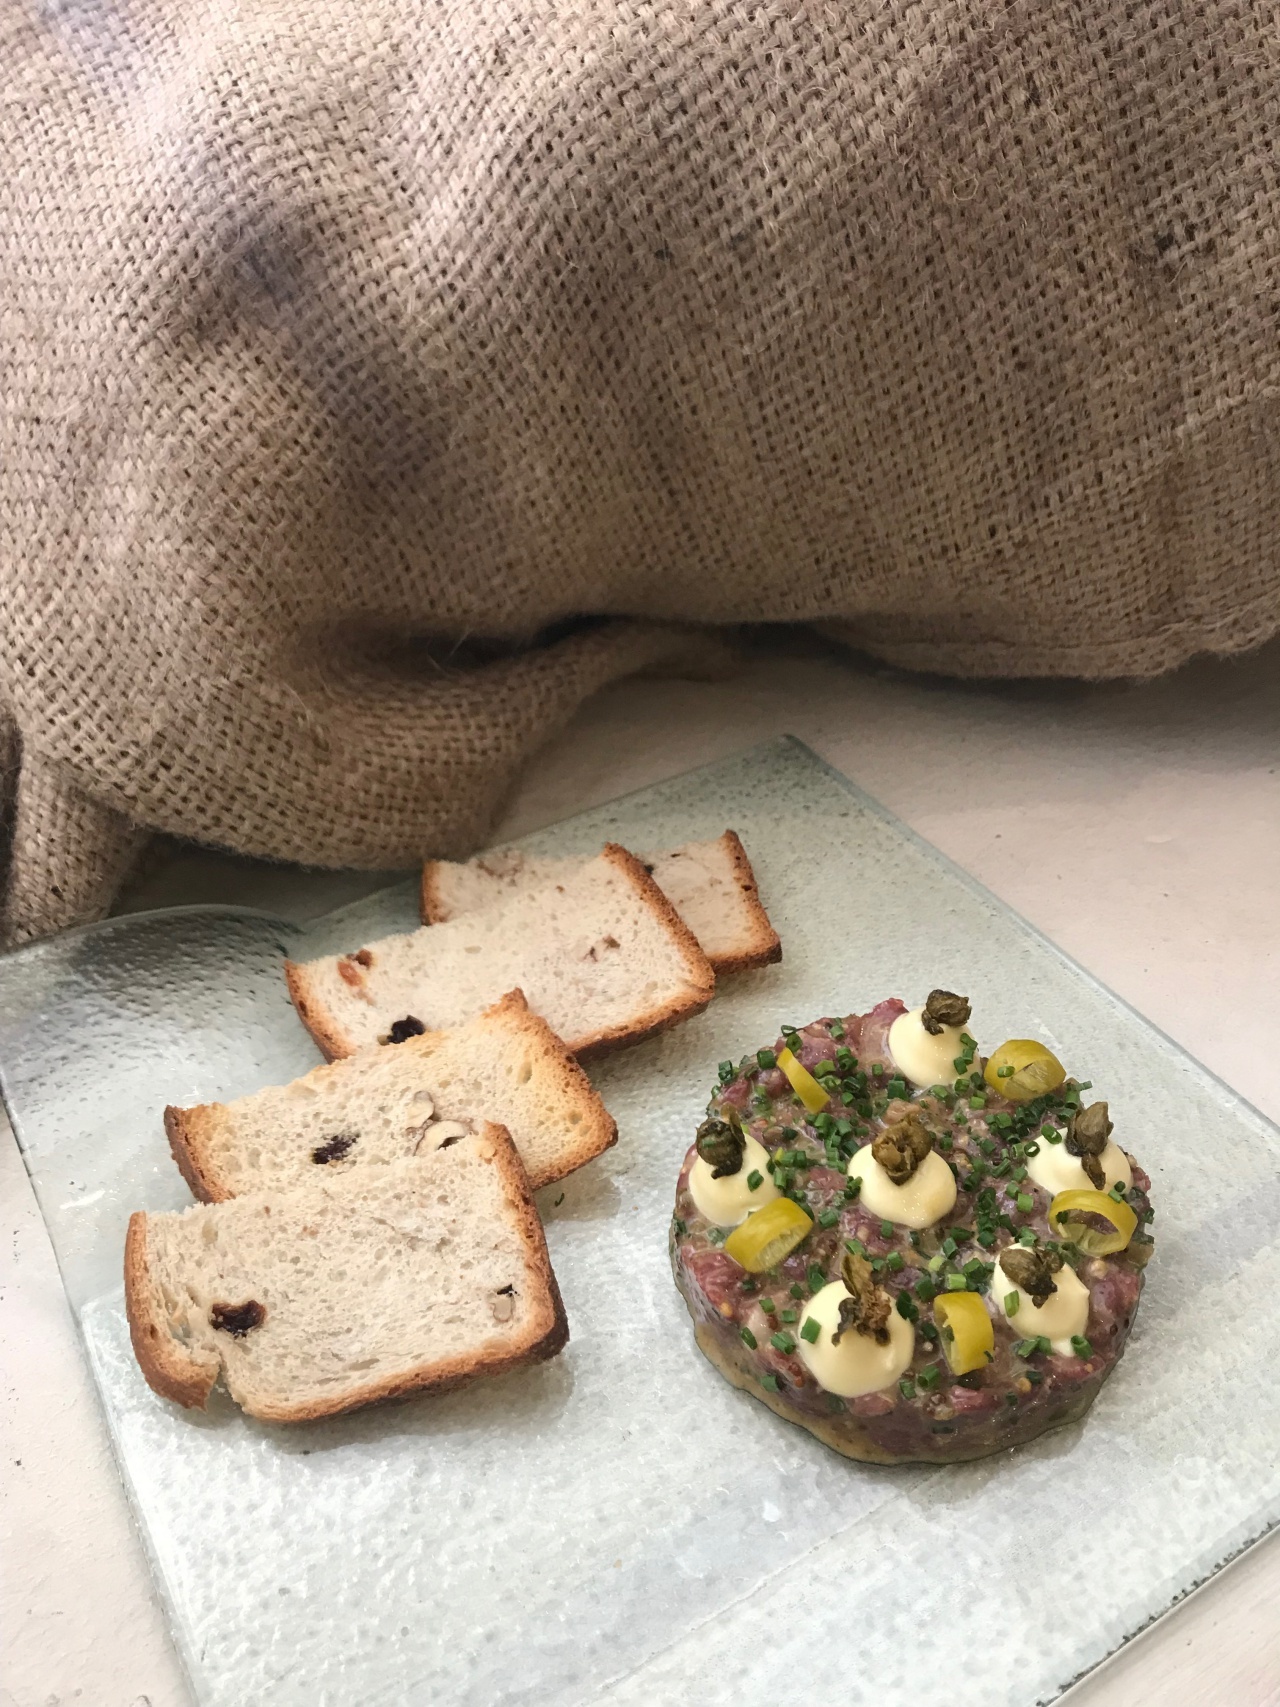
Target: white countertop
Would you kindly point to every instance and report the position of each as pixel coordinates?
(1139, 827)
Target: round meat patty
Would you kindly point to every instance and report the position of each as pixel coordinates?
(917, 1252)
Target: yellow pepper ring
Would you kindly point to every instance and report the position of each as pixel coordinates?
(968, 1338)
(802, 1082)
(769, 1235)
(1068, 1205)
(1022, 1069)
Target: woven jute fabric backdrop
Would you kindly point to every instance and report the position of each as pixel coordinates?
(353, 349)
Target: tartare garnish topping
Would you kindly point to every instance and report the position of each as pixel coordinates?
(944, 1007)
(1023, 1069)
(1033, 1270)
(722, 1144)
(866, 1309)
(968, 1338)
(767, 1237)
(1067, 1218)
(1088, 1135)
(902, 1147)
(802, 1082)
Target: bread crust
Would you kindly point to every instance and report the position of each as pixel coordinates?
(698, 969)
(327, 1038)
(546, 1334)
(170, 1369)
(429, 903)
(766, 946)
(186, 1129)
(599, 1131)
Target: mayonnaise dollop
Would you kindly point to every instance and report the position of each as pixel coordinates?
(1063, 1313)
(1055, 1169)
(922, 1057)
(927, 1196)
(729, 1200)
(857, 1364)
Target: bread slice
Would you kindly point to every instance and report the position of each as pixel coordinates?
(507, 1065)
(710, 884)
(421, 1274)
(602, 956)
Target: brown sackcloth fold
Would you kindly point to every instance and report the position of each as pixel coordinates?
(338, 337)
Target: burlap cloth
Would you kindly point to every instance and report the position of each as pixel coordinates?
(343, 337)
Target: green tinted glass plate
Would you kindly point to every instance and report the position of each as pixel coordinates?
(619, 1526)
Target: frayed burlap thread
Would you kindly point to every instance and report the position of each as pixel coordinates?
(340, 340)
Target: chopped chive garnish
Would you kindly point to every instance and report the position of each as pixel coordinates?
(1080, 1345)
(926, 1291)
(886, 1229)
(788, 1315)
(837, 1029)
(828, 1218)
(877, 1264)
(907, 1387)
(769, 1381)
(1011, 1302)
(726, 1072)
(852, 1186)
(1027, 1236)
(906, 1308)
(810, 1330)
(895, 1260)
(1025, 1202)
(766, 1058)
(748, 1338)
(928, 1377)
(797, 1291)
(1025, 1348)
(977, 1102)
(1031, 1149)
(768, 1306)
(1117, 1192)
(949, 1246)
(750, 1285)
(816, 1278)
(961, 1066)
(937, 1264)
(1005, 1072)
(783, 1343)
(755, 1179)
(957, 1283)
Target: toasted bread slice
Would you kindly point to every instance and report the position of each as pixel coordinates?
(603, 956)
(419, 1275)
(710, 884)
(506, 1065)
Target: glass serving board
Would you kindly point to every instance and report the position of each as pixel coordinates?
(620, 1526)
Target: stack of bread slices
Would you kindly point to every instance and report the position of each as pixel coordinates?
(370, 1230)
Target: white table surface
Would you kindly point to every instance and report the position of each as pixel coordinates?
(1138, 826)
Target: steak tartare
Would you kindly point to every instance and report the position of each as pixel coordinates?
(917, 1252)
